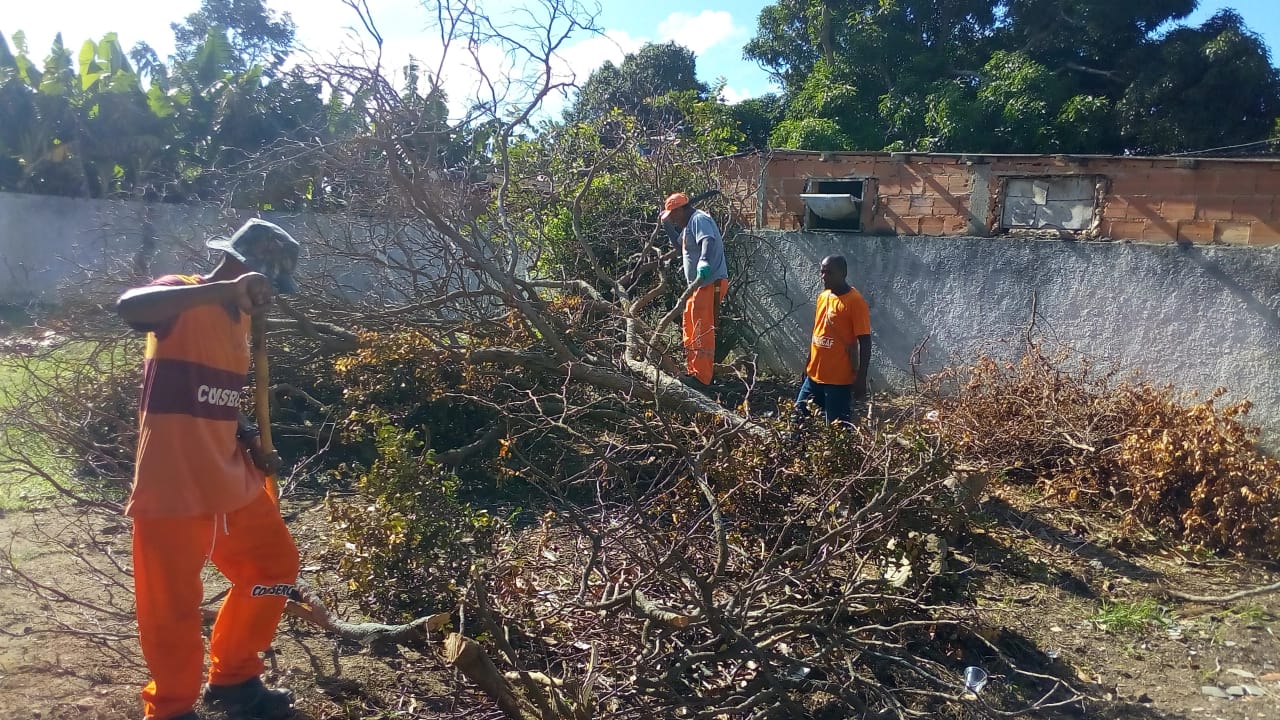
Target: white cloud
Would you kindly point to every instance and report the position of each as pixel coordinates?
(732, 95)
(464, 79)
(578, 60)
(698, 32)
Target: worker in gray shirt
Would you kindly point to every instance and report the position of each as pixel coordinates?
(704, 264)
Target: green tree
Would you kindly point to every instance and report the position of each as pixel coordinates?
(784, 43)
(425, 113)
(82, 124)
(810, 134)
(651, 72)
(232, 102)
(844, 60)
(601, 182)
(254, 34)
(1088, 42)
(79, 126)
(1204, 87)
(1017, 75)
(702, 119)
(756, 118)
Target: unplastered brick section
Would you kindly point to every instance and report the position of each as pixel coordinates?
(1168, 199)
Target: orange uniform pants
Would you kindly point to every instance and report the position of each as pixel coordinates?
(253, 549)
(701, 311)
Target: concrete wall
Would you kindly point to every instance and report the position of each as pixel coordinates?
(46, 241)
(1201, 201)
(52, 248)
(1200, 317)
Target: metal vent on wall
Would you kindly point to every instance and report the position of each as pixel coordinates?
(833, 204)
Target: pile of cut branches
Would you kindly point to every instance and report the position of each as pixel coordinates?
(683, 597)
(1187, 467)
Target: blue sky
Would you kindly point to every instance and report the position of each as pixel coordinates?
(716, 31)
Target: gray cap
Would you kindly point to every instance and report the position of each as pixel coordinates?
(266, 248)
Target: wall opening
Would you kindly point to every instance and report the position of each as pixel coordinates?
(833, 204)
(1062, 202)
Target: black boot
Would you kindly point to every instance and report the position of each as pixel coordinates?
(250, 700)
(692, 381)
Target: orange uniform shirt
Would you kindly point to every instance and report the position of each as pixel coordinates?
(838, 322)
(189, 462)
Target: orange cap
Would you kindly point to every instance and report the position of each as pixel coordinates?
(674, 200)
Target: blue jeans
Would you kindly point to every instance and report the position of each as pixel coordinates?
(836, 401)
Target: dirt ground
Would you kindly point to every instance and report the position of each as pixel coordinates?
(1047, 578)
(94, 671)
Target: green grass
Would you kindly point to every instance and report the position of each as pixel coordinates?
(19, 489)
(1124, 618)
(1251, 614)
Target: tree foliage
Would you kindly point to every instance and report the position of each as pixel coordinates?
(632, 86)
(253, 34)
(810, 134)
(756, 118)
(500, 316)
(1202, 87)
(74, 125)
(1016, 75)
(101, 122)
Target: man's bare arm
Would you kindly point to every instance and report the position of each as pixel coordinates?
(862, 368)
(852, 350)
(155, 304)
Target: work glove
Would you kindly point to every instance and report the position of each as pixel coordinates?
(704, 271)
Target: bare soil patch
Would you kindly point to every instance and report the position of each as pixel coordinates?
(47, 671)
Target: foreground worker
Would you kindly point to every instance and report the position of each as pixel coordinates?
(704, 264)
(839, 349)
(199, 490)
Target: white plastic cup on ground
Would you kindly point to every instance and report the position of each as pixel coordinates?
(975, 678)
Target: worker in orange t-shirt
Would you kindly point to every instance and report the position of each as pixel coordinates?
(199, 488)
(839, 349)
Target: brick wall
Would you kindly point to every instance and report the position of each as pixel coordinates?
(1199, 201)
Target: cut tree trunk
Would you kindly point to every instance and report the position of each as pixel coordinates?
(471, 660)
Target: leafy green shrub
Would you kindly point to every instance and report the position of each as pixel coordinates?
(406, 546)
(402, 378)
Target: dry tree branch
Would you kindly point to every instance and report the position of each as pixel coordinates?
(1223, 599)
(306, 605)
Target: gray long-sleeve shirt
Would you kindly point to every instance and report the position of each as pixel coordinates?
(700, 240)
